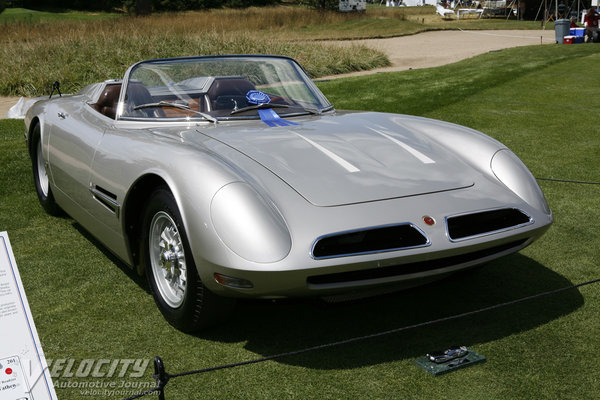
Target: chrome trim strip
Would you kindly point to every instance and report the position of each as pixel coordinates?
(106, 201)
(312, 248)
(510, 228)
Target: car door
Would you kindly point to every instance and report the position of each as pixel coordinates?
(72, 142)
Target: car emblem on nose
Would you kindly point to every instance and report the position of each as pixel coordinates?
(428, 220)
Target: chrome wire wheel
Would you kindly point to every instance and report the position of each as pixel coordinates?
(167, 258)
(42, 174)
(172, 275)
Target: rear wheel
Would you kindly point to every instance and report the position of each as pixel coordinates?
(178, 291)
(40, 174)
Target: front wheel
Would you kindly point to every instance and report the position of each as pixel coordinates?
(178, 291)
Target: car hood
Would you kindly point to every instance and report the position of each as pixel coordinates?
(349, 158)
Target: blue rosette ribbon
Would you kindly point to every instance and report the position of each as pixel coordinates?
(268, 116)
(257, 97)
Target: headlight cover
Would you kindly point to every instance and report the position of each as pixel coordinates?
(248, 225)
(511, 171)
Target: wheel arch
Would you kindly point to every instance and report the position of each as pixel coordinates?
(133, 213)
(193, 192)
(34, 122)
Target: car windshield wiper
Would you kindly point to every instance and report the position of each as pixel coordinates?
(176, 105)
(259, 107)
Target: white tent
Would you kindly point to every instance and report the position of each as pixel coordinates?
(414, 3)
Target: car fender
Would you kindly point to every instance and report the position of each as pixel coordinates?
(194, 176)
(483, 153)
(472, 146)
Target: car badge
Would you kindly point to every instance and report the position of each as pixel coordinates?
(428, 220)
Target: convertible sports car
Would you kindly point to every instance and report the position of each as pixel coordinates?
(233, 176)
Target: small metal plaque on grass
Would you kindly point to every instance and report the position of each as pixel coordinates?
(471, 358)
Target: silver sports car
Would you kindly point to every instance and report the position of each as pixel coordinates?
(233, 176)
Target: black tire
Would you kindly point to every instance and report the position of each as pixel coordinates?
(171, 272)
(40, 176)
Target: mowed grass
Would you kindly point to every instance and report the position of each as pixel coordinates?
(535, 99)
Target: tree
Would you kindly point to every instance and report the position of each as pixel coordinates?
(105, 5)
(143, 7)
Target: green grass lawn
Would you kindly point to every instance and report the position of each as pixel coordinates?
(535, 99)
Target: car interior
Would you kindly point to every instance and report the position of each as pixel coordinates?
(224, 95)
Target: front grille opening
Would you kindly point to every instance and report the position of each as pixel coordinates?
(372, 240)
(411, 268)
(466, 226)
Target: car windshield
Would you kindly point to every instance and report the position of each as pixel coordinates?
(219, 88)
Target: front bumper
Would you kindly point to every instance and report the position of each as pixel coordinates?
(366, 272)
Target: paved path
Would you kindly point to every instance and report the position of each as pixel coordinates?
(5, 104)
(424, 50)
(432, 49)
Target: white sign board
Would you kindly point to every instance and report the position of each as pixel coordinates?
(23, 371)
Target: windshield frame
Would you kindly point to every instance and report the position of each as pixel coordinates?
(325, 105)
